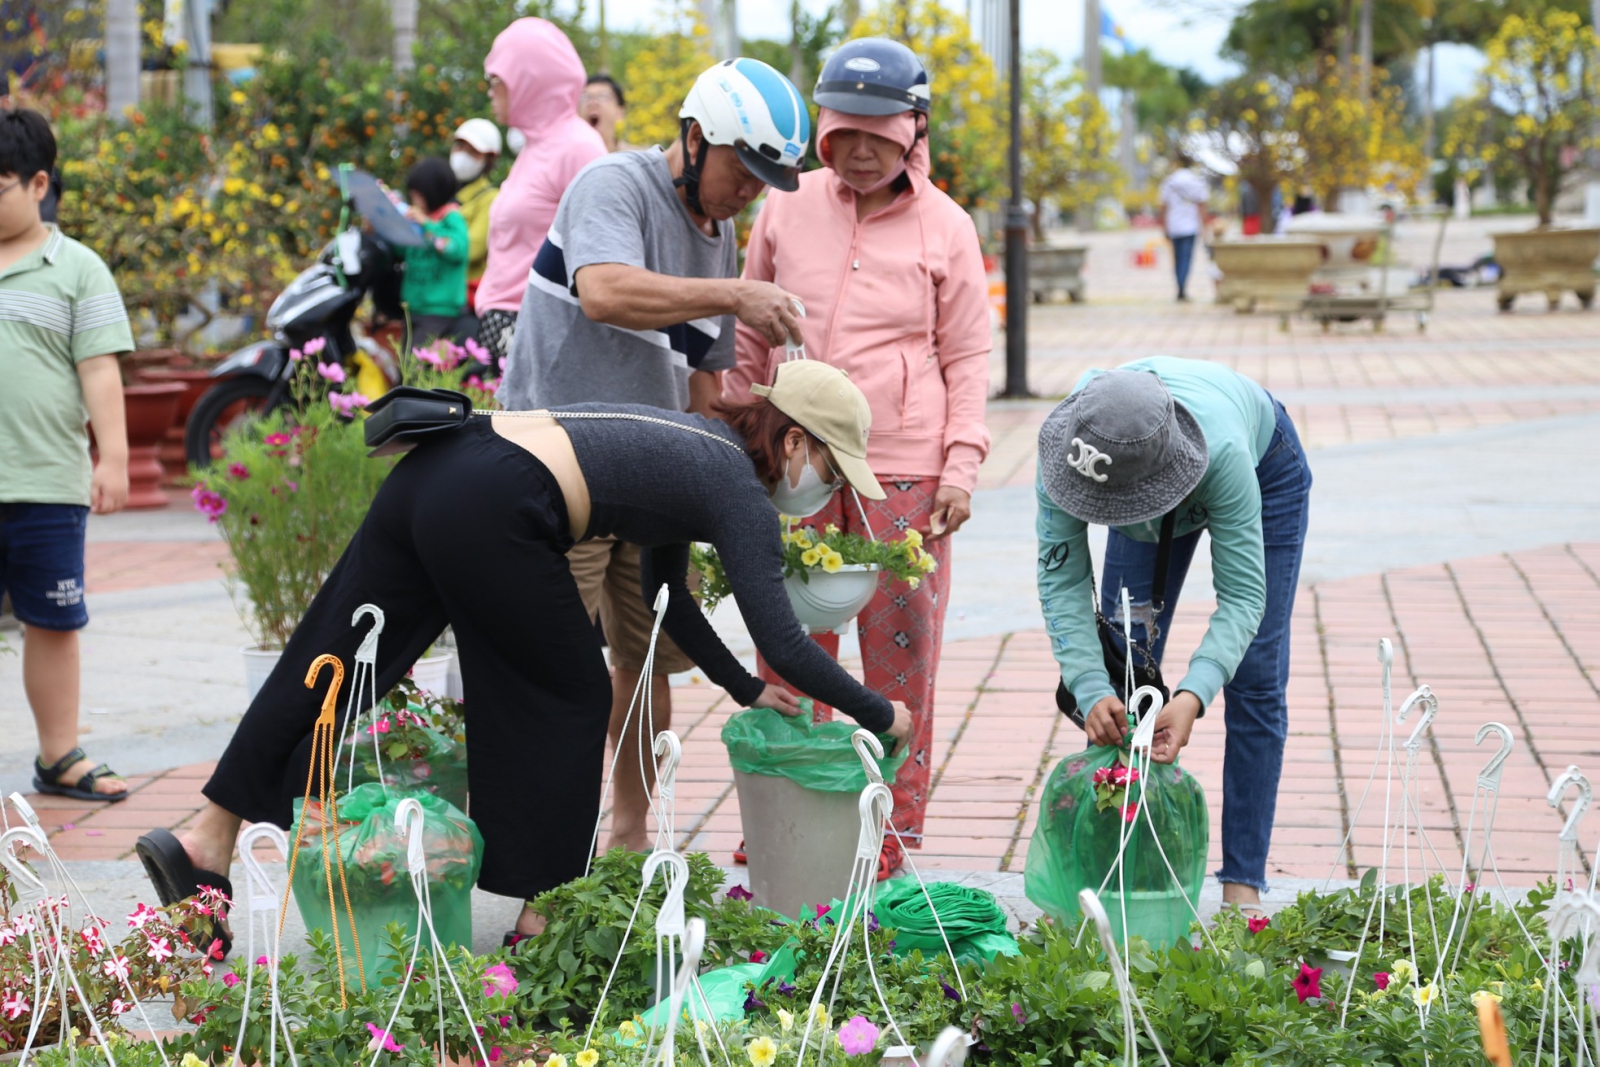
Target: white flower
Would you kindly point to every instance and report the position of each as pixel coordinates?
(1403, 971)
(116, 966)
(785, 1020)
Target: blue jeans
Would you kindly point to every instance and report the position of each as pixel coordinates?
(1182, 256)
(1256, 706)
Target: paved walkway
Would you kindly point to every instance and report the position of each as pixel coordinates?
(1454, 512)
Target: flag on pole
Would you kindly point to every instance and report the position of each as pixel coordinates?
(1110, 30)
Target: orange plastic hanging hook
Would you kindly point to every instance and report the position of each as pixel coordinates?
(330, 700)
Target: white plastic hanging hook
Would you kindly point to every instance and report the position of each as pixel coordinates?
(1571, 777)
(367, 651)
(870, 751)
(18, 869)
(1489, 777)
(663, 596)
(669, 753)
(875, 805)
(694, 942)
(670, 920)
(950, 1050)
(24, 809)
(1430, 710)
(792, 351)
(260, 894)
(409, 820)
(1144, 734)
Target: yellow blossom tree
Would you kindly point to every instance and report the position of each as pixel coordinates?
(1536, 102)
(1345, 142)
(661, 73)
(965, 138)
(1067, 141)
(1247, 124)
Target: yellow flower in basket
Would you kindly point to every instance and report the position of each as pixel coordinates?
(802, 539)
(810, 556)
(914, 538)
(831, 560)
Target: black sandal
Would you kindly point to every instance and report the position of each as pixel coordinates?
(48, 779)
(176, 878)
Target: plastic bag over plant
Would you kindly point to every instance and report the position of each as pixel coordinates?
(374, 855)
(813, 755)
(1090, 803)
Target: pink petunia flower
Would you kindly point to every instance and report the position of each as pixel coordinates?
(332, 372)
(91, 938)
(739, 892)
(1018, 1014)
(116, 966)
(230, 979)
(1308, 983)
(858, 1036)
(382, 1040)
(757, 956)
(1258, 924)
(1381, 979)
(15, 1005)
(120, 1007)
(8, 936)
(141, 915)
(498, 981)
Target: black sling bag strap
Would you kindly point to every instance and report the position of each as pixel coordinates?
(1146, 671)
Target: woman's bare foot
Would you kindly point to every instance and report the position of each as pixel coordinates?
(633, 840)
(530, 923)
(211, 838)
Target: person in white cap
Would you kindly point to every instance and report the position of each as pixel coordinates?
(473, 155)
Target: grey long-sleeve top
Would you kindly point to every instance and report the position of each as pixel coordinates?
(662, 487)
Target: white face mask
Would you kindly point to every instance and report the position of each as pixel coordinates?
(516, 140)
(466, 166)
(806, 498)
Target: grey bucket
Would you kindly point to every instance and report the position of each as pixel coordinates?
(801, 843)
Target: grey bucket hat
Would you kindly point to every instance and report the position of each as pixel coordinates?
(1120, 450)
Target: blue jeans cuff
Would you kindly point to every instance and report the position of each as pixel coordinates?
(1258, 885)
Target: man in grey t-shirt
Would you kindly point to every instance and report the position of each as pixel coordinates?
(632, 300)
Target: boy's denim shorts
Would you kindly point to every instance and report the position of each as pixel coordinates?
(41, 563)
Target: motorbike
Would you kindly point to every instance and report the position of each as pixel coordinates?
(321, 302)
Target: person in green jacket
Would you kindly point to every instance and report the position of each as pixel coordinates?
(1161, 449)
(435, 287)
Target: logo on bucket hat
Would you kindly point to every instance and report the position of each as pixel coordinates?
(1085, 461)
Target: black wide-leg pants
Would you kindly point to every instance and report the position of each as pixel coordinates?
(469, 530)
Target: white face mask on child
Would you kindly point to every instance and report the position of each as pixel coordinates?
(808, 496)
(466, 166)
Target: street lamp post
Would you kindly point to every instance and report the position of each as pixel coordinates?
(1016, 231)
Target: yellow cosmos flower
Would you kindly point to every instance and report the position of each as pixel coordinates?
(811, 556)
(763, 1052)
(785, 1020)
(1482, 995)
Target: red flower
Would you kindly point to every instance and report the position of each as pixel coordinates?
(1381, 979)
(1130, 812)
(758, 956)
(1309, 983)
(1258, 924)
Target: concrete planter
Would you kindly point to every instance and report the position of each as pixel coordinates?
(1549, 261)
(829, 601)
(801, 842)
(151, 409)
(1265, 270)
(1056, 269)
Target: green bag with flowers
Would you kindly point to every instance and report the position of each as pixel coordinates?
(1091, 805)
(374, 855)
(816, 756)
(416, 756)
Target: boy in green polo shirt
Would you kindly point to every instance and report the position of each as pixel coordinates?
(62, 324)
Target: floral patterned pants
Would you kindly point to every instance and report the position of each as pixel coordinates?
(902, 630)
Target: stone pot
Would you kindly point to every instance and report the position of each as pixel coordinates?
(195, 381)
(1261, 270)
(1547, 260)
(151, 410)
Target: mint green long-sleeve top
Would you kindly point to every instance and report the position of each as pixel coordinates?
(1237, 417)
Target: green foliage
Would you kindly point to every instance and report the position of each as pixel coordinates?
(1164, 97)
(288, 493)
(1068, 145)
(1282, 35)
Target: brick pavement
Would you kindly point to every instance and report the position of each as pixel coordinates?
(1510, 637)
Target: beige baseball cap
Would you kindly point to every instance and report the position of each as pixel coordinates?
(829, 406)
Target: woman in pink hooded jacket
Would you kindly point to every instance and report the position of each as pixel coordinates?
(892, 278)
(535, 80)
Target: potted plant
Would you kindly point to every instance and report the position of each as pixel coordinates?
(1534, 110)
(830, 575)
(151, 408)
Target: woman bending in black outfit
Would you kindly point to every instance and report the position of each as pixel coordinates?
(522, 490)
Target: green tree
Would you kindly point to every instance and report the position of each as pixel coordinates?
(1068, 144)
(1281, 36)
(661, 73)
(1164, 97)
(1247, 124)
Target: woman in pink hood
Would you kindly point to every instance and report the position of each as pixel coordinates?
(893, 283)
(535, 80)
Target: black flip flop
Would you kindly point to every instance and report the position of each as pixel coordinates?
(48, 779)
(176, 878)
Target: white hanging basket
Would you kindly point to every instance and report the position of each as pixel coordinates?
(829, 601)
(432, 673)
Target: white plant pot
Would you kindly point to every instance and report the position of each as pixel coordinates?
(258, 663)
(830, 601)
(433, 672)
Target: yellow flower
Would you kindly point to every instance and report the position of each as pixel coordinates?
(237, 97)
(785, 1020)
(811, 556)
(832, 561)
(627, 1029)
(913, 581)
(820, 1014)
(914, 538)
(1403, 971)
(830, 529)
(588, 1058)
(1424, 995)
(1482, 995)
(556, 1060)
(763, 1052)
(191, 1060)
(801, 539)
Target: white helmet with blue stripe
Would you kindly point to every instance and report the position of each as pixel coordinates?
(747, 105)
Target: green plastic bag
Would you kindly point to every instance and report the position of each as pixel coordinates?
(1082, 815)
(972, 920)
(374, 853)
(425, 761)
(816, 756)
(724, 990)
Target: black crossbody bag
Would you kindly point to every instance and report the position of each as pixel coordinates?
(1146, 671)
(405, 416)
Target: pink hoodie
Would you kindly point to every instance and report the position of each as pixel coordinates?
(545, 77)
(899, 300)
